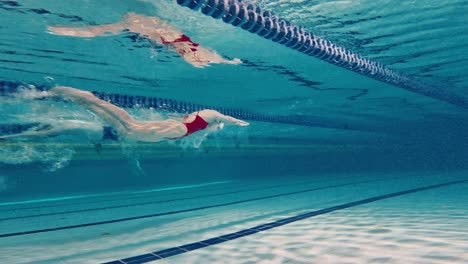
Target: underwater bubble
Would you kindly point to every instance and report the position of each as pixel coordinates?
(153, 53)
(51, 156)
(49, 79)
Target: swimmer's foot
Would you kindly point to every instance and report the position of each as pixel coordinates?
(30, 93)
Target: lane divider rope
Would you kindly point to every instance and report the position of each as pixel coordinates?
(9, 88)
(263, 23)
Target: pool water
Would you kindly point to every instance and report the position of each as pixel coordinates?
(335, 166)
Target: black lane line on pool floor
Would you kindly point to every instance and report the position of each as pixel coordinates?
(144, 258)
(155, 202)
(179, 211)
(147, 195)
(120, 196)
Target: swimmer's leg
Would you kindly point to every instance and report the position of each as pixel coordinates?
(114, 116)
(88, 32)
(42, 130)
(92, 130)
(132, 22)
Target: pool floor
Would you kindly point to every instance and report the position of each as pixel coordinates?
(425, 226)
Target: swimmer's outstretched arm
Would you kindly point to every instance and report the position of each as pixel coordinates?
(154, 29)
(35, 132)
(213, 116)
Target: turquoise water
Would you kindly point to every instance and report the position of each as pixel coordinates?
(343, 169)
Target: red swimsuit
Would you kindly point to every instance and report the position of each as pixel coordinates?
(196, 125)
(182, 50)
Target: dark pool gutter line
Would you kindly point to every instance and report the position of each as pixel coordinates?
(251, 18)
(161, 254)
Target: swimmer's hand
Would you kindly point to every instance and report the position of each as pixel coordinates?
(234, 121)
(202, 57)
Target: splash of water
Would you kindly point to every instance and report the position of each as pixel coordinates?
(194, 141)
(51, 156)
(29, 92)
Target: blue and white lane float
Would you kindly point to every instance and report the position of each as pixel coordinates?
(252, 18)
